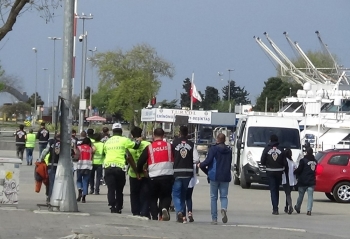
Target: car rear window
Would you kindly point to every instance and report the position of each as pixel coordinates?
(319, 156)
(341, 160)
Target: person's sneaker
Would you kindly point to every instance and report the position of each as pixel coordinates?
(290, 211)
(214, 222)
(286, 209)
(184, 220)
(180, 217)
(190, 217)
(296, 209)
(224, 216)
(308, 213)
(172, 209)
(113, 210)
(91, 192)
(165, 215)
(97, 193)
(275, 213)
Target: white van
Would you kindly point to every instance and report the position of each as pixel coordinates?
(252, 135)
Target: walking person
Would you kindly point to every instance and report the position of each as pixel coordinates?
(306, 174)
(160, 161)
(20, 137)
(83, 155)
(43, 136)
(114, 163)
(274, 159)
(105, 137)
(185, 155)
(217, 166)
(30, 144)
(97, 162)
(139, 185)
(289, 181)
(189, 192)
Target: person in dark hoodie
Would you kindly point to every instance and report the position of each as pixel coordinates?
(273, 158)
(217, 166)
(306, 174)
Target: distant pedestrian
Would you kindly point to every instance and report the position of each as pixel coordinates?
(289, 181)
(20, 136)
(43, 136)
(97, 162)
(30, 144)
(217, 166)
(105, 134)
(274, 159)
(306, 174)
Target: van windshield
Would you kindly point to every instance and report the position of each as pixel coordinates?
(260, 136)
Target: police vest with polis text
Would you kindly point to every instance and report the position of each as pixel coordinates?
(160, 159)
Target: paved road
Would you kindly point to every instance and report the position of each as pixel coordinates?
(249, 217)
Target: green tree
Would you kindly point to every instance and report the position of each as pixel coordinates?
(16, 109)
(186, 96)
(128, 80)
(11, 10)
(211, 98)
(75, 106)
(87, 94)
(238, 94)
(168, 104)
(223, 106)
(274, 90)
(31, 100)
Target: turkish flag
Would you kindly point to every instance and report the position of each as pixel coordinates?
(195, 96)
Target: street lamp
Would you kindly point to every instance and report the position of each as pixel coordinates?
(83, 38)
(36, 82)
(92, 76)
(229, 88)
(48, 91)
(54, 77)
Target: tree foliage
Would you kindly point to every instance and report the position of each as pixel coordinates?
(10, 10)
(186, 96)
(17, 109)
(75, 106)
(223, 106)
(31, 100)
(168, 104)
(128, 80)
(211, 97)
(274, 90)
(238, 94)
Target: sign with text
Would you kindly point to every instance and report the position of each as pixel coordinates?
(194, 116)
(148, 115)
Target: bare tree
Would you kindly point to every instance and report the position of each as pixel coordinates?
(10, 10)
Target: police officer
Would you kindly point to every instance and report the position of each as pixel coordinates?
(97, 162)
(20, 141)
(273, 158)
(43, 136)
(114, 163)
(30, 144)
(160, 160)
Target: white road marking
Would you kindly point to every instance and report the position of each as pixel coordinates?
(61, 213)
(267, 227)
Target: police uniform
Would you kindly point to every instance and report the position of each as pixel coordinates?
(160, 160)
(97, 163)
(30, 144)
(20, 143)
(114, 163)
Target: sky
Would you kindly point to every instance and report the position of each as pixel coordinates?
(200, 36)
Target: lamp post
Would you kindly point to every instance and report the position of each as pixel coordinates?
(54, 39)
(83, 38)
(92, 76)
(36, 82)
(48, 94)
(307, 88)
(229, 88)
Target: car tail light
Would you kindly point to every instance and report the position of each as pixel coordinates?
(319, 169)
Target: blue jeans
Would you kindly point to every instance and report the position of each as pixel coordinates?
(310, 197)
(83, 177)
(29, 154)
(52, 175)
(42, 146)
(189, 193)
(275, 180)
(179, 194)
(216, 187)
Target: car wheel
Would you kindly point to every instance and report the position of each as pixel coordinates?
(244, 184)
(341, 192)
(236, 180)
(330, 196)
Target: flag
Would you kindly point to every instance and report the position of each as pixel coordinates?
(195, 96)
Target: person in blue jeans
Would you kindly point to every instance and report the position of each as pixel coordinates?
(306, 174)
(217, 166)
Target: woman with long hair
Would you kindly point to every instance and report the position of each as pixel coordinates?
(289, 181)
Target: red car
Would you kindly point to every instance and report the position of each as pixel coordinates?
(333, 174)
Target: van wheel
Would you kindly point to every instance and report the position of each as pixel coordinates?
(341, 192)
(243, 182)
(330, 196)
(236, 180)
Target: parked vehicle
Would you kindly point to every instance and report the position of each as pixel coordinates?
(333, 174)
(252, 135)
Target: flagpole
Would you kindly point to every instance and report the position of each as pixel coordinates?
(191, 91)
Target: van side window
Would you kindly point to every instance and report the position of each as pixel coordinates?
(341, 160)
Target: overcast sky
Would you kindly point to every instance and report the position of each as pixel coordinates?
(200, 36)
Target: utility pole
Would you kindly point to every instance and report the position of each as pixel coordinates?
(229, 89)
(92, 77)
(36, 83)
(63, 195)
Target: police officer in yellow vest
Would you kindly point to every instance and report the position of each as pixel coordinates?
(139, 185)
(30, 144)
(114, 163)
(97, 161)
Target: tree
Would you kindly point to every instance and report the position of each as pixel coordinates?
(31, 100)
(75, 106)
(168, 104)
(211, 98)
(223, 106)
(238, 94)
(17, 109)
(274, 90)
(128, 80)
(10, 10)
(186, 96)
(87, 94)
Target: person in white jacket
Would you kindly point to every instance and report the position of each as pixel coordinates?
(289, 181)
(188, 201)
